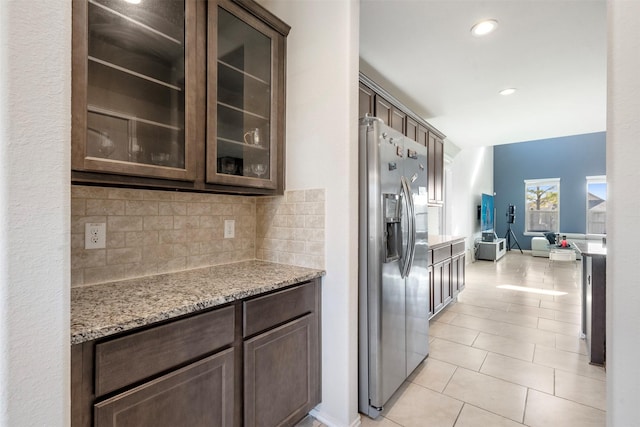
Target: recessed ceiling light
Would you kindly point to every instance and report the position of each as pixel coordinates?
(508, 91)
(133, 1)
(485, 27)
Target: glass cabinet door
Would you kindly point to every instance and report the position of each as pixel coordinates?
(139, 69)
(241, 146)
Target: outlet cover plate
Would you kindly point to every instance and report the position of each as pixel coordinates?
(229, 228)
(95, 235)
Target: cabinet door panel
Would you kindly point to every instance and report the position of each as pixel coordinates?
(411, 129)
(438, 277)
(431, 169)
(439, 171)
(431, 304)
(365, 101)
(461, 272)
(200, 394)
(243, 124)
(134, 84)
(423, 137)
(455, 268)
(446, 281)
(282, 374)
(383, 110)
(398, 119)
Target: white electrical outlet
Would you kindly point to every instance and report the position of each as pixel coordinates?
(229, 228)
(95, 235)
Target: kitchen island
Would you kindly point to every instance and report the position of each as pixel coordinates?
(235, 344)
(594, 290)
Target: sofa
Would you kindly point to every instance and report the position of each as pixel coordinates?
(540, 245)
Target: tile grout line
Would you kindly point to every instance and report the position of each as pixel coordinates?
(526, 401)
(459, 413)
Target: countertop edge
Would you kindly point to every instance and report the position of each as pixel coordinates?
(446, 240)
(583, 248)
(85, 334)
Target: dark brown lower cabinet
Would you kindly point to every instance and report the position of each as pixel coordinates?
(457, 274)
(281, 374)
(195, 370)
(447, 290)
(446, 275)
(431, 302)
(201, 394)
(461, 272)
(441, 285)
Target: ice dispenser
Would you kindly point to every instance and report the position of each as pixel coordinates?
(392, 229)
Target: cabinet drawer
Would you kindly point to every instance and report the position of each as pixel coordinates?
(441, 253)
(186, 397)
(457, 248)
(271, 310)
(132, 358)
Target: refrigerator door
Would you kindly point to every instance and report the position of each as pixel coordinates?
(387, 343)
(417, 282)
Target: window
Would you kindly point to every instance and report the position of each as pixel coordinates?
(542, 205)
(596, 205)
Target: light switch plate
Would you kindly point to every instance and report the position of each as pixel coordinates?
(95, 235)
(229, 228)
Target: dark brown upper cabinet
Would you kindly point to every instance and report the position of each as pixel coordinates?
(245, 126)
(435, 156)
(373, 99)
(134, 69)
(366, 99)
(182, 94)
(391, 115)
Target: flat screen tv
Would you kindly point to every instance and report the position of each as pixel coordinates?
(486, 213)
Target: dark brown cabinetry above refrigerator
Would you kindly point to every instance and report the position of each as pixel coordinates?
(375, 101)
(179, 94)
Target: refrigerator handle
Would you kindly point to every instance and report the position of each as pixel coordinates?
(412, 228)
(409, 207)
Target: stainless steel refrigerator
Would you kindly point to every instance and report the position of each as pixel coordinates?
(393, 273)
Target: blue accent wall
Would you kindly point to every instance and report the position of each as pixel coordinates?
(570, 158)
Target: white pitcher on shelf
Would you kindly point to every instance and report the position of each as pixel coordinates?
(252, 137)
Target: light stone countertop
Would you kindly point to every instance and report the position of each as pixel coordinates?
(591, 248)
(101, 310)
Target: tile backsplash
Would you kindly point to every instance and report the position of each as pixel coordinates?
(290, 229)
(151, 232)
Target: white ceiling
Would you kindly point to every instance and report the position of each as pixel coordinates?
(553, 51)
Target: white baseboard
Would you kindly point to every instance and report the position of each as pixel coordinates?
(330, 421)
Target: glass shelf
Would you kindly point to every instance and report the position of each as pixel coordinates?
(136, 83)
(243, 99)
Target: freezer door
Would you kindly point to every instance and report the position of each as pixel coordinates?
(417, 282)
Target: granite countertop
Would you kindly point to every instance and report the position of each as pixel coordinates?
(104, 309)
(591, 247)
(441, 239)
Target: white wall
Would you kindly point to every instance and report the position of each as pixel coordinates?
(623, 217)
(35, 68)
(322, 93)
(472, 175)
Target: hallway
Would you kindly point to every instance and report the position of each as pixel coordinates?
(505, 357)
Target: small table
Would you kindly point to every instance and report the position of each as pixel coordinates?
(562, 253)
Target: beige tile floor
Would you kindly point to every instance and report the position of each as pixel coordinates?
(504, 358)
